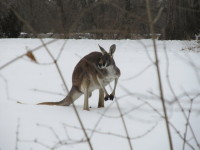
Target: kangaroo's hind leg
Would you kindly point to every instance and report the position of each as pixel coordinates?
(86, 95)
(101, 98)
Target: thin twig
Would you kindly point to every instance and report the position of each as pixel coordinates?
(158, 73)
(51, 129)
(158, 15)
(17, 134)
(176, 99)
(187, 121)
(66, 131)
(139, 73)
(124, 124)
(48, 92)
(158, 112)
(22, 55)
(115, 134)
(63, 143)
(127, 112)
(60, 74)
(42, 144)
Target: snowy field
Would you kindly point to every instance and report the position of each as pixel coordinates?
(32, 127)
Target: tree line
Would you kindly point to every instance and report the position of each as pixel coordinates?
(115, 19)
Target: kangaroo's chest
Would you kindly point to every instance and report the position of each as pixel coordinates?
(106, 76)
(110, 75)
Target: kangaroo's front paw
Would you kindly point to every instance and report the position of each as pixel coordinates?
(107, 97)
(111, 97)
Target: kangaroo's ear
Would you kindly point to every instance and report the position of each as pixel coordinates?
(102, 50)
(112, 49)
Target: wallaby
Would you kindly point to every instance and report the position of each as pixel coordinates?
(94, 71)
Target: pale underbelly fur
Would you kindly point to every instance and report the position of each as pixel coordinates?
(111, 75)
(106, 80)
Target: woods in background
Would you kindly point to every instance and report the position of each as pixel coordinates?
(113, 19)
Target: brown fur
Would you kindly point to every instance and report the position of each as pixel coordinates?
(87, 77)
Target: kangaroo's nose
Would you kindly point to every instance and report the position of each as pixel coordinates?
(100, 66)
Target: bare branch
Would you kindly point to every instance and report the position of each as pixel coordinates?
(51, 129)
(158, 15)
(115, 134)
(127, 112)
(60, 73)
(19, 57)
(139, 73)
(48, 92)
(176, 99)
(158, 73)
(17, 134)
(124, 124)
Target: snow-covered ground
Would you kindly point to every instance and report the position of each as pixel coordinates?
(29, 126)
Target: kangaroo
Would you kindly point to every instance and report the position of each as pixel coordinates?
(94, 71)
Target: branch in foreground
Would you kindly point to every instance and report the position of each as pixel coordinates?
(158, 73)
(158, 112)
(176, 99)
(17, 134)
(59, 72)
(115, 134)
(124, 124)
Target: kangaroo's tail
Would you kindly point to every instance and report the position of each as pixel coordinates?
(73, 94)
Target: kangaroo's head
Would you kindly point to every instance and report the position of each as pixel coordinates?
(106, 59)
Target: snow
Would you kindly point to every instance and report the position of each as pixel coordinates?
(29, 126)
